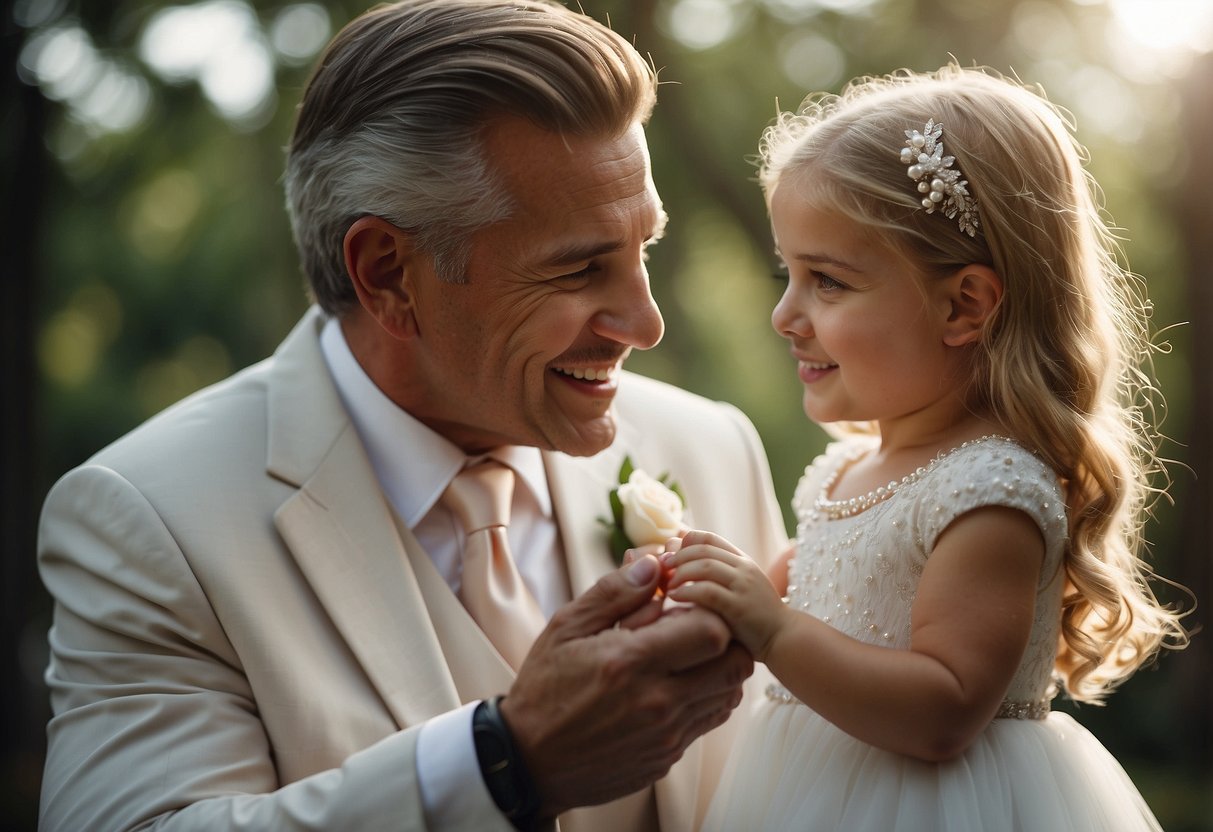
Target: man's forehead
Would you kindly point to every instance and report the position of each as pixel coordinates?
(519, 151)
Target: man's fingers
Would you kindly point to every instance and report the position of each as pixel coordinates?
(684, 637)
(721, 677)
(644, 616)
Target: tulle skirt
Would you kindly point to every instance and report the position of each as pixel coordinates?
(794, 771)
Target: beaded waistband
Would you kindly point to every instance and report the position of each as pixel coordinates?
(1007, 710)
(1023, 710)
(780, 694)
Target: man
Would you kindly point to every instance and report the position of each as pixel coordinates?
(266, 610)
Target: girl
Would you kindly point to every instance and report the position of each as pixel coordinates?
(972, 541)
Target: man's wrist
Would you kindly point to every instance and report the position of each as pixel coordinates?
(501, 765)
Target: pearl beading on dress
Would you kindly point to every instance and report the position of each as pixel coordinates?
(838, 509)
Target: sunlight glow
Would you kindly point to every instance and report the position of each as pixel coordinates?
(796, 10)
(101, 94)
(1169, 28)
(812, 61)
(219, 44)
(300, 31)
(702, 24)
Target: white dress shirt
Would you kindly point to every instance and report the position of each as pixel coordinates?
(414, 466)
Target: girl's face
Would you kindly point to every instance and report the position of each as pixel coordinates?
(866, 329)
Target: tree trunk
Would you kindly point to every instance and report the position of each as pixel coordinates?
(22, 599)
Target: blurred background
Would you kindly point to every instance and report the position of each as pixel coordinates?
(145, 251)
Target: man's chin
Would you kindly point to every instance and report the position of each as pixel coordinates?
(588, 439)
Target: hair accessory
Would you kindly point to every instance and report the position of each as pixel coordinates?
(937, 179)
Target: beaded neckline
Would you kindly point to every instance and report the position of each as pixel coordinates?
(838, 509)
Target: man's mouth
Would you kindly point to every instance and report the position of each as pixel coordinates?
(592, 374)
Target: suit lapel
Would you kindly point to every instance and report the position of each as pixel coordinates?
(579, 489)
(340, 530)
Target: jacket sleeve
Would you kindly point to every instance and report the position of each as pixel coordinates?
(155, 723)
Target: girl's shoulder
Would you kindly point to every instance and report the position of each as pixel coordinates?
(993, 464)
(990, 471)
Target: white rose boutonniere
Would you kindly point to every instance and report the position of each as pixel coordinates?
(644, 510)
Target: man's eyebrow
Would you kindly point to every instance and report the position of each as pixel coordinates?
(579, 252)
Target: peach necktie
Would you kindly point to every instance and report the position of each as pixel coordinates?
(492, 590)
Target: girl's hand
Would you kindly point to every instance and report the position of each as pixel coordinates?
(709, 571)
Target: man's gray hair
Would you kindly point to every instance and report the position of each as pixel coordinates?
(392, 119)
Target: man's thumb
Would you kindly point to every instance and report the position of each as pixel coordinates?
(642, 573)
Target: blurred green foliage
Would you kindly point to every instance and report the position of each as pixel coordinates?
(161, 257)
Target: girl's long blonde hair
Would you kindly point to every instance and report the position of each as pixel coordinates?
(1064, 362)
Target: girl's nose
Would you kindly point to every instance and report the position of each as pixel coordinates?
(789, 318)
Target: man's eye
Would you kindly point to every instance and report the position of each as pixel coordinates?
(577, 275)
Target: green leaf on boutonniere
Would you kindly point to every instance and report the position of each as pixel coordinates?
(619, 545)
(625, 470)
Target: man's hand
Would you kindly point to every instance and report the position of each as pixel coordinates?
(653, 608)
(600, 711)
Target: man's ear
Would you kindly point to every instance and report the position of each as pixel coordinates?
(381, 261)
(974, 294)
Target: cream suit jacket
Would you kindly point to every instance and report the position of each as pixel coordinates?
(244, 637)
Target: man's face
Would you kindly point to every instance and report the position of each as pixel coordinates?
(528, 350)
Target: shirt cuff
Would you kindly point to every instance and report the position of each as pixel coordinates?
(453, 793)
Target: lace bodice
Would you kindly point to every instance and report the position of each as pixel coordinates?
(858, 563)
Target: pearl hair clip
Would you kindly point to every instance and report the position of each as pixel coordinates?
(937, 180)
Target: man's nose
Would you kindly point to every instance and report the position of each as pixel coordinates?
(631, 315)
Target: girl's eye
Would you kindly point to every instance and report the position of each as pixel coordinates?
(827, 283)
(780, 273)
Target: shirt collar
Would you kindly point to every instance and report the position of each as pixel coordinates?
(414, 464)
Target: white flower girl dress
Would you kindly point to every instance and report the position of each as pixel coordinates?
(856, 567)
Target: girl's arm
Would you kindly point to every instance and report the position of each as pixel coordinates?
(970, 625)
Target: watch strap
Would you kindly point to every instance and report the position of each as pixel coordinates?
(501, 765)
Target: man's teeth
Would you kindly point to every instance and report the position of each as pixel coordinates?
(586, 375)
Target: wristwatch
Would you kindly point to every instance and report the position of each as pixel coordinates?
(501, 766)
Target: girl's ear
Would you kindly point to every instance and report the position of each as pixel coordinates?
(974, 293)
(381, 261)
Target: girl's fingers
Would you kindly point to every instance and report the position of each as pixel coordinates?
(702, 569)
(707, 594)
(689, 553)
(703, 538)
